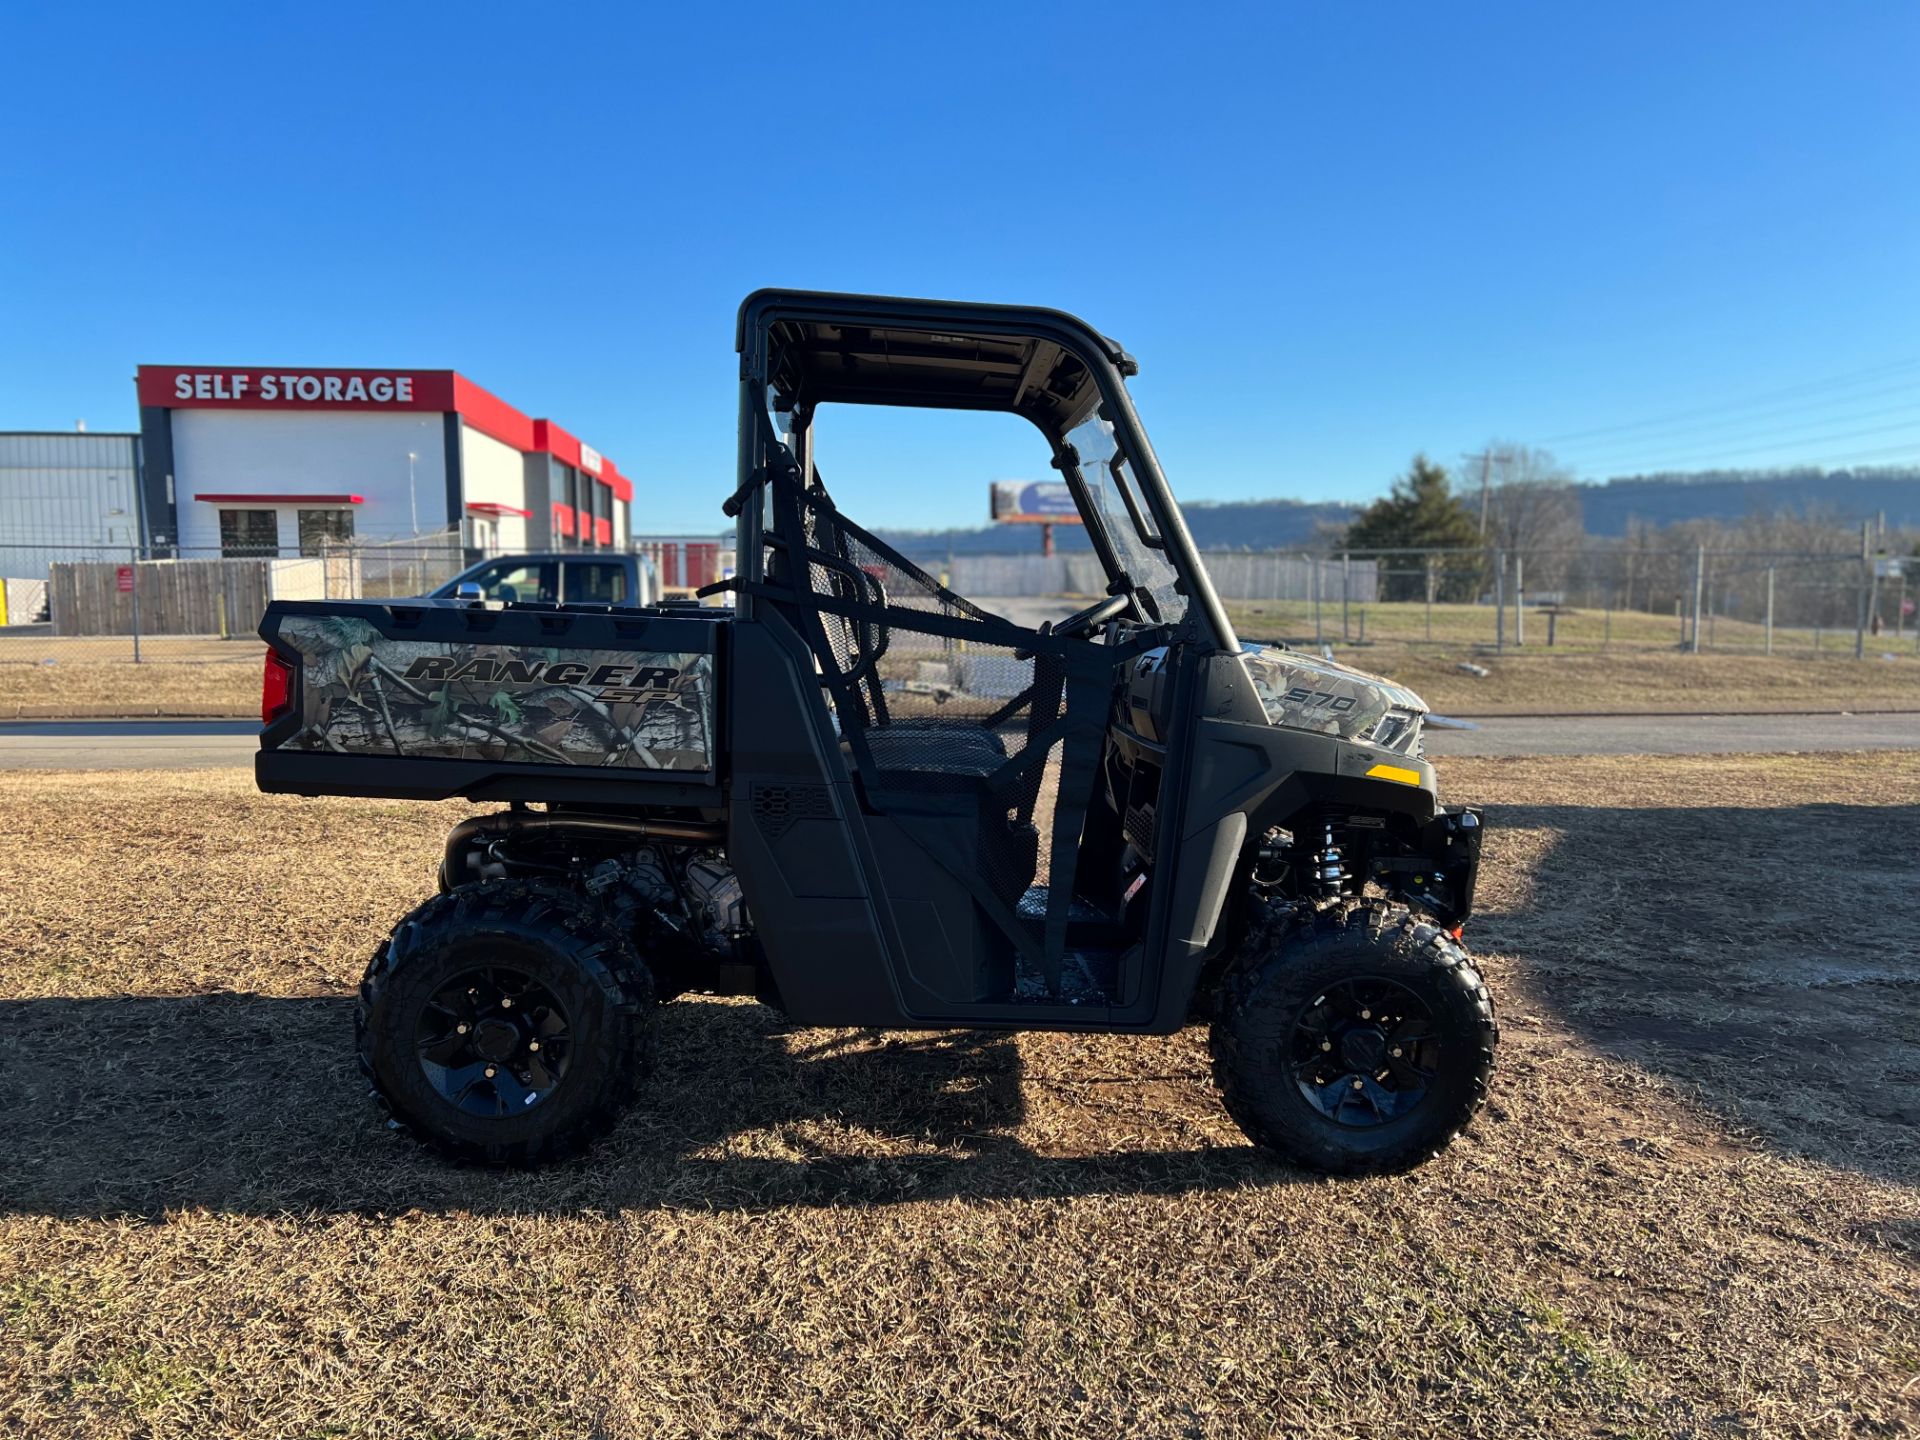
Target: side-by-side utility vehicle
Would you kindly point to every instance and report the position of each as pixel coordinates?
(871, 801)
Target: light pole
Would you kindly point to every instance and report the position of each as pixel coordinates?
(413, 500)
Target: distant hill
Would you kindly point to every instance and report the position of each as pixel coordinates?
(1848, 495)
(1216, 525)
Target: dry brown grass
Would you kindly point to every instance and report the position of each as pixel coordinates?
(44, 675)
(1642, 682)
(1690, 1209)
(213, 677)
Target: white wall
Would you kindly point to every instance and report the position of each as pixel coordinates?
(495, 474)
(258, 452)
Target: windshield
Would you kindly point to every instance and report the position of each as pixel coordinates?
(1124, 518)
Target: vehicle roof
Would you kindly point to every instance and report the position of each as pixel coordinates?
(558, 555)
(950, 354)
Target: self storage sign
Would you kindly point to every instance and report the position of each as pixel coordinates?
(274, 388)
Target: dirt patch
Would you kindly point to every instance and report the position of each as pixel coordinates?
(1679, 1215)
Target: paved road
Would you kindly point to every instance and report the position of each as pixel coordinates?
(126, 744)
(1676, 734)
(202, 744)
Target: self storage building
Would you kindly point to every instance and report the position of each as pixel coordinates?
(255, 459)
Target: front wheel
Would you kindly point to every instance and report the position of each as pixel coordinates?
(1362, 1044)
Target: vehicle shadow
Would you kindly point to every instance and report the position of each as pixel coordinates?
(1766, 959)
(250, 1104)
(1762, 958)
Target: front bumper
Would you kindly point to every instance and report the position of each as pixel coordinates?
(1439, 880)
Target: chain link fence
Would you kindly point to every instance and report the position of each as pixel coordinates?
(1597, 597)
(117, 630)
(1588, 599)
(114, 631)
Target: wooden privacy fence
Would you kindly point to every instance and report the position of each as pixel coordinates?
(175, 597)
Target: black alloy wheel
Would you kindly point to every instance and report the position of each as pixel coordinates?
(1360, 1043)
(493, 1042)
(1365, 1051)
(507, 1022)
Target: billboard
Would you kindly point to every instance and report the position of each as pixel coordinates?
(1033, 502)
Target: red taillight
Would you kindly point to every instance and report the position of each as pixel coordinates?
(276, 688)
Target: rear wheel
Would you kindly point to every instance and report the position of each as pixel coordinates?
(1362, 1044)
(505, 1022)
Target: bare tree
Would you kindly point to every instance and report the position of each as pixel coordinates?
(1533, 510)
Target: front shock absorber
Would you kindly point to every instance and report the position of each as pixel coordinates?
(1328, 865)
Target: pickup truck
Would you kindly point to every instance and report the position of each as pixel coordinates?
(573, 577)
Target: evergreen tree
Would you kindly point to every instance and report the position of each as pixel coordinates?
(1420, 512)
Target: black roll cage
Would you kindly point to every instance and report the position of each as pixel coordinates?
(957, 368)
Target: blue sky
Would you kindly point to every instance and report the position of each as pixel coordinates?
(1334, 234)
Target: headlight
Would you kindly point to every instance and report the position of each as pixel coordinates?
(1398, 730)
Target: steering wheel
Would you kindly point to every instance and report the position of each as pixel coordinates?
(1094, 616)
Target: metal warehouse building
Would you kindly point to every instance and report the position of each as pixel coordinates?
(277, 460)
(69, 487)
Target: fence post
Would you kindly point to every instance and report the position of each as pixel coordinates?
(1769, 609)
(1429, 597)
(134, 591)
(1519, 600)
(1699, 594)
(1346, 596)
(1606, 634)
(1316, 600)
(1866, 566)
(1499, 601)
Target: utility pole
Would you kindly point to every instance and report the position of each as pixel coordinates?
(1486, 489)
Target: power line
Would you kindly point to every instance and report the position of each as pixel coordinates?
(1842, 382)
(1682, 433)
(1757, 440)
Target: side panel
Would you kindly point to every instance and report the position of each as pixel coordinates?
(431, 699)
(366, 693)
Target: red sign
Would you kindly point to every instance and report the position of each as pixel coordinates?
(269, 388)
(123, 578)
